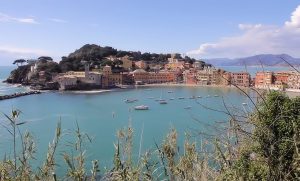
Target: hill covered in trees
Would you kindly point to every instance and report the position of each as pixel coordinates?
(96, 56)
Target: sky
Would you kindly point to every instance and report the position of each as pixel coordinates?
(198, 28)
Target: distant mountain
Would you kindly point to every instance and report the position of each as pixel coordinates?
(257, 60)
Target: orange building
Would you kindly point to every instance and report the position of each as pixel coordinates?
(263, 79)
(281, 77)
(161, 77)
(190, 76)
(141, 75)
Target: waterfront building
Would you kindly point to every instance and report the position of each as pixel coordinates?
(205, 76)
(263, 79)
(189, 76)
(281, 77)
(142, 76)
(161, 77)
(293, 80)
(240, 79)
(79, 79)
(110, 79)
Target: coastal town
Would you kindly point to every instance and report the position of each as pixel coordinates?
(175, 71)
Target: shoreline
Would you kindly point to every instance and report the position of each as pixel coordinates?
(95, 91)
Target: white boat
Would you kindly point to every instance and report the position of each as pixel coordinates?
(216, 95)
(170, 91)
(192, 97)
(244, 103)
(172, 98)
(199, 96)
(207, 96)
(188, 107)
(141, 107)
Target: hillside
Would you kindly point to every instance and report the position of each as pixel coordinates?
(95, 55)
(257, 60)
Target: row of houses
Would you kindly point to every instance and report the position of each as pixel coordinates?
(213, 76)
(105, 78)
(277, 80)
(175, 71)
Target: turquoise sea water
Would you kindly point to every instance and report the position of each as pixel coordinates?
(102, 114)
(5, 88)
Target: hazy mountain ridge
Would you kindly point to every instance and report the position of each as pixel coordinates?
(256, 60)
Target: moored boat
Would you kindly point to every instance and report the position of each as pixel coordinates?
(163, 102)
(141, 107)
(130, 100)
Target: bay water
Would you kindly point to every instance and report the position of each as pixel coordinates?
(101, 114)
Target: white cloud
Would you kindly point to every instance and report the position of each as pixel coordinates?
(56, 20)
(256, 39)
(7, 18)
(295, 19)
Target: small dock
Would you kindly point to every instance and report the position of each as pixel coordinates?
(20, 94)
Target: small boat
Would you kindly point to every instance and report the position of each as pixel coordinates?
(141, 107)
(188, 107)
(130, 100)
(199, 97)
(216, 95)
(180, 97)
(207, 96)
(163, 102)
(244, 103)
(172, 98)
(193, 97)
(170, 91)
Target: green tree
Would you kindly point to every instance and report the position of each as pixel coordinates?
(19, 61)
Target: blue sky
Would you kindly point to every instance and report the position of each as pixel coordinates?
(200, 28)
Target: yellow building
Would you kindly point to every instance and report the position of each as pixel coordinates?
(109, 78)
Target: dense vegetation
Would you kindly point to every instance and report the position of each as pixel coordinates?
(262, 146)
(44, 63)
(95, 55)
